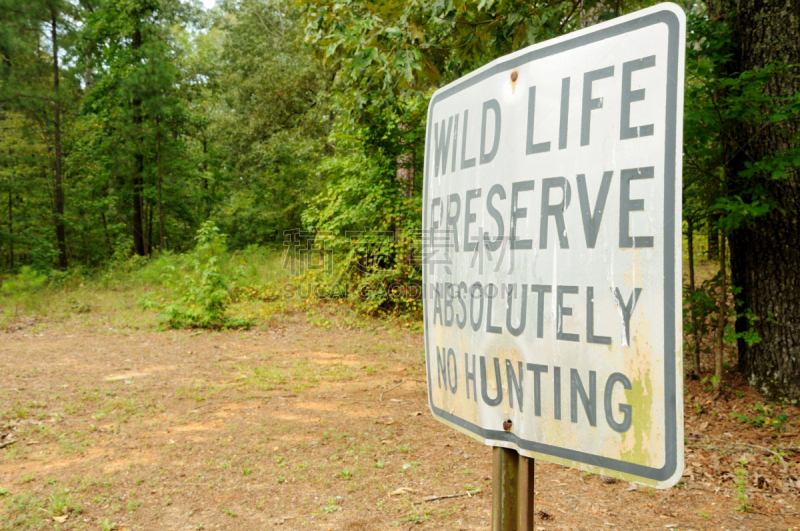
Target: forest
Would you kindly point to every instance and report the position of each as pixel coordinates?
(135, 132)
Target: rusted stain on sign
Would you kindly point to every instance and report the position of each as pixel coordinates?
(552, 253)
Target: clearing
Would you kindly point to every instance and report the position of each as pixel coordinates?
(319, 420)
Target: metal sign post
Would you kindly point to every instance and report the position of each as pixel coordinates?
(512, 491)
(552, 256)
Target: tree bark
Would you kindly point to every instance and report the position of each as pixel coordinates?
(765, 255)
(58, 203)
(11, 221)
(712, 251)
(695, 324)
(139, 244)
(149, 242)
(108, 237)
(722, 312)
(160, 210)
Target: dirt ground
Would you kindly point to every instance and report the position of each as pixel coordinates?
(321, 423)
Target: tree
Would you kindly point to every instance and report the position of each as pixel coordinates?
(270, 116)
(32, 83)
(758, 204)
(135, 96)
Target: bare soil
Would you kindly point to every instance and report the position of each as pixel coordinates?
(321, 423)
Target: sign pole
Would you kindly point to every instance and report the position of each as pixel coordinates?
(512, 491)
(526, 504)
(504, 489)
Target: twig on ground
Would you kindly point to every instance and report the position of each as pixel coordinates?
(204, 406)
(744, 445)
(398, 385)
(446, 496)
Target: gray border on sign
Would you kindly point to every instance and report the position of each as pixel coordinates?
(672, 22)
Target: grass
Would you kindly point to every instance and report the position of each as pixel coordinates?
(35, 510)
(109, 298)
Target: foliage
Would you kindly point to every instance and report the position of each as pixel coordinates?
(716, 99)
(201, 293)
(765, 416)
(741, 487)
(270, 119)
(21, 286)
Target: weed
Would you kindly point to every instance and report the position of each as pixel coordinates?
(20, 288)
(3, 492)
(107, 525)
(133, 505)
(346, 473)
(246, 472)
(764, 417)
(59, 503)
(468, 472)
(201, 292)
(414, 518)
(266, 378)
(379, 464)
(741, 487)
(704, 515)
(229, 512)
(281, 479)
(27, 478)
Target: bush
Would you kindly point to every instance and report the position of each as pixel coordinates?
(201, 292)
(19, 288)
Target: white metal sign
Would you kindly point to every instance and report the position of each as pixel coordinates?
(552, 257)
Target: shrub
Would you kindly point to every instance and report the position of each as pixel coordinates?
(201, 292)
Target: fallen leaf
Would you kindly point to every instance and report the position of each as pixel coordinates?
(544, 516)
(401, 490)
(416, 414)
(61, 519)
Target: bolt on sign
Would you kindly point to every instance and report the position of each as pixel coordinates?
(552, 250)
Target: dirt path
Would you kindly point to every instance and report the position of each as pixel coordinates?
(285, 427)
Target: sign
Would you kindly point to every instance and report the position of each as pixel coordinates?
(552, 252)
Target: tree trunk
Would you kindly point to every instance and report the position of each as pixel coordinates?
(695, 324)
(404, 172)
(765, 255)
(149, 242)
(722, 312)
(712, 251)
(58, 203)
(206, 195)
(11, 222)
(108, 237)
(139, 244)
(87, 74)
(160, 210)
